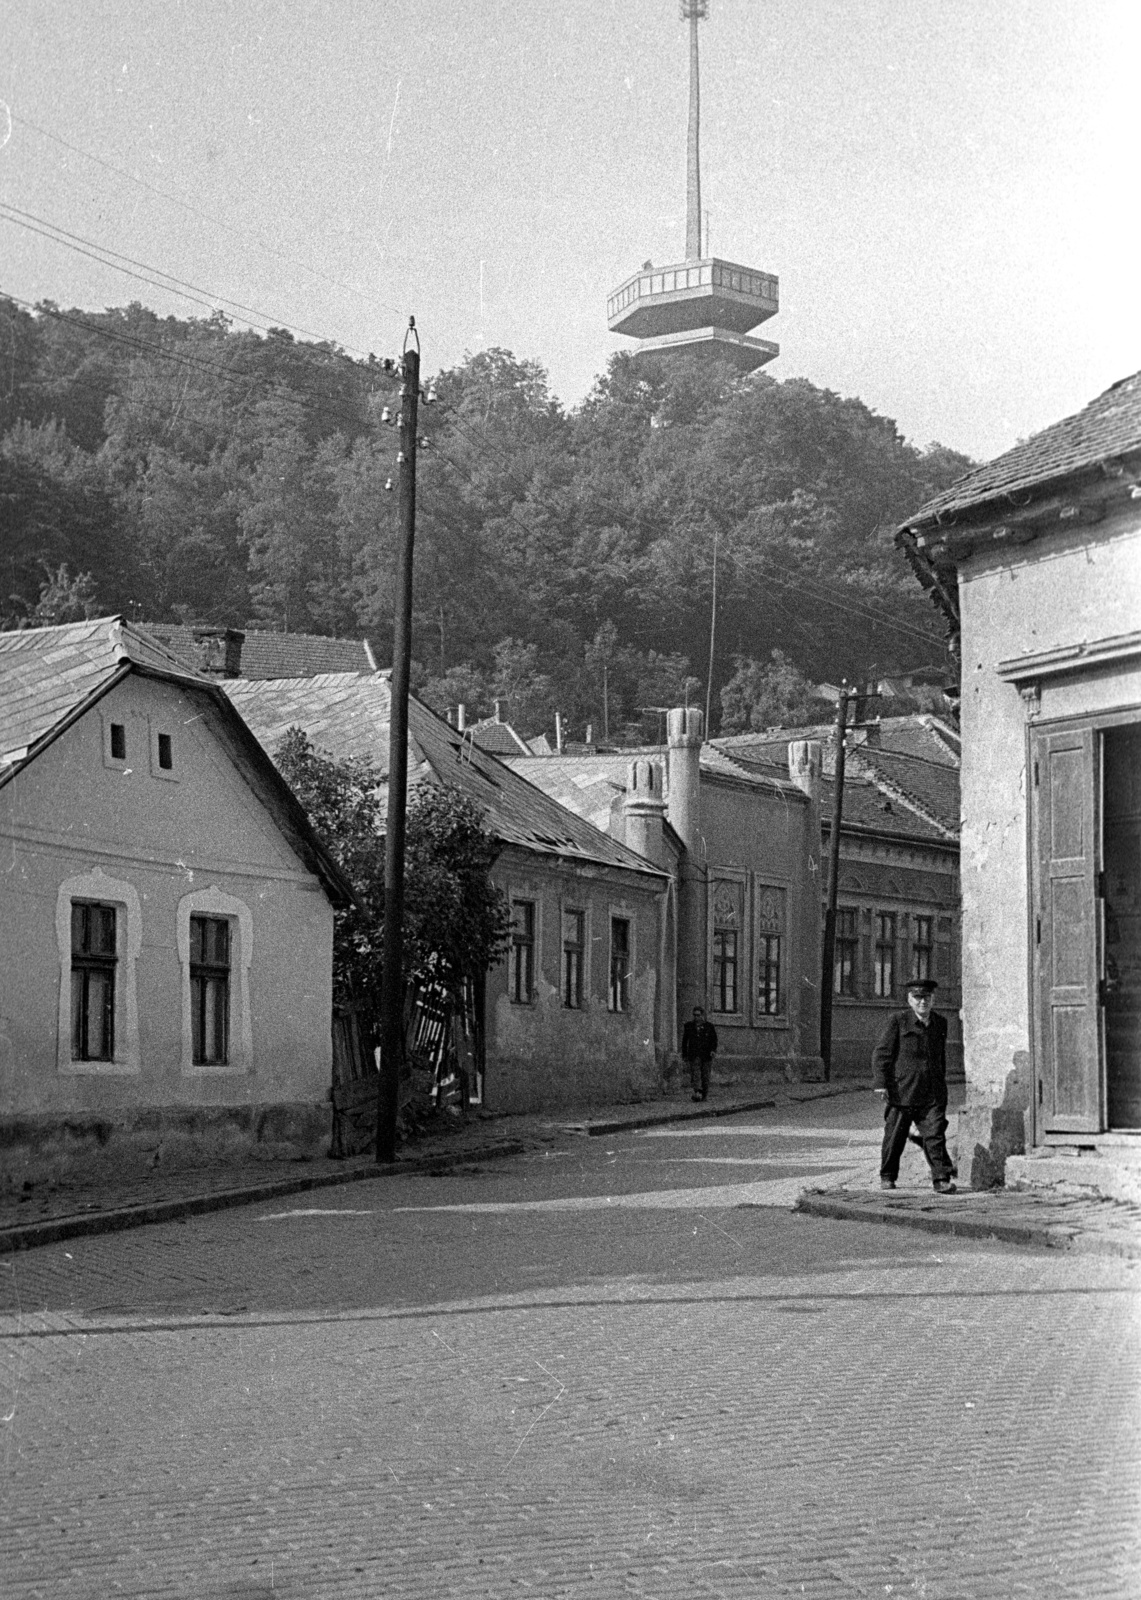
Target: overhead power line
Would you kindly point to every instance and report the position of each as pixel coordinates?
(157, 277)
(241, 233)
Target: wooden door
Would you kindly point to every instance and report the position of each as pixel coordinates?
(1066, 933)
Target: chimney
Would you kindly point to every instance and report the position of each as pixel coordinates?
(805, 758)
(218, 651)
(461, 717)
(685, 726)
(451, 716)
(645, 810)
(499, 711)
(559, 732)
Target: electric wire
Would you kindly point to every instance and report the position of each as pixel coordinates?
(155, 276)
(242, 233)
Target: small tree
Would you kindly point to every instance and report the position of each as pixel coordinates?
(456, 921)
(772, 694)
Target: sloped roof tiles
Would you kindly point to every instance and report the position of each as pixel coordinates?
(347, 714)
(276, 655)
(47, 673)
(1109, 427)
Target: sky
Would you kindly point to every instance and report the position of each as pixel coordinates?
(946, 189)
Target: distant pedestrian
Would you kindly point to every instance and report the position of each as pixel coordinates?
(698, 1047)
(910, 1065)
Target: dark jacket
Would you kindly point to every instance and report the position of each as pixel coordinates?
(910, 1060)
(698, 1040)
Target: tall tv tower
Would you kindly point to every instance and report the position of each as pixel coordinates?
(703, 306)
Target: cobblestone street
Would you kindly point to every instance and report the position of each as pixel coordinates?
(618, 1366)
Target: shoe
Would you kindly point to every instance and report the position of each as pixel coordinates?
(946, 1187)
(887, 1183)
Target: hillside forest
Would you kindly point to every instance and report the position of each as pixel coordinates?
(566, 560)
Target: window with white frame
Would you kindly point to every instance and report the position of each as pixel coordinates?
(215, 936)
(98, 923)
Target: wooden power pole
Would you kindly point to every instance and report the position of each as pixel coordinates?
(826, 979)
(392, 969)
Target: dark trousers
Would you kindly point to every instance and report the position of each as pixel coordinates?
(699, 1076)
(931, 1126)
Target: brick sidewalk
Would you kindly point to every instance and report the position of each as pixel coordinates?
(67, 1208)
(1042, 1219)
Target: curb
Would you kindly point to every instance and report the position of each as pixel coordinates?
(1040, 1236)
(30, 1235)
(594, 1130)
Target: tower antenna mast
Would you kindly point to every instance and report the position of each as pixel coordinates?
(692, 11)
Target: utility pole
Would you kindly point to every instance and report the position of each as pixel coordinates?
(827, 980)
(392, 968)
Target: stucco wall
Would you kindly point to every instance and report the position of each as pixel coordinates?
(877, 875)
(151, 843)
(544, 1055)
(1056, 591)
(773, 839)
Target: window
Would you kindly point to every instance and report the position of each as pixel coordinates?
(521, 972)
(885, 954)
(771, 923)
(725, 969)
(768, 974)
(923, 948)
(215, 938)
(165, 752)
(118, 741)
(619, 964)
(93, 962)
(847, 950)
(209, 990)
(725, 945)
(574, 957)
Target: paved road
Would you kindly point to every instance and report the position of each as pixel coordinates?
(616, 1367)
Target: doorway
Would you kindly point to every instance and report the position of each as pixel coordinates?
(1121, 885)
(1086, 925)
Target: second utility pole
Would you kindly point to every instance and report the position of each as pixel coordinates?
(392, 968)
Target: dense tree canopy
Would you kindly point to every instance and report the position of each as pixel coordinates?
(569, 561)
(456, 921)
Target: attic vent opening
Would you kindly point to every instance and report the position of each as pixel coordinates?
(118, 741)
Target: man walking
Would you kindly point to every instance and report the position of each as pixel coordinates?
(910, 1065)
(698, 1047)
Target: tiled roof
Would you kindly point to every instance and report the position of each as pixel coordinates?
(498, 737)
(1107, 428)
(587, 784)
(276, 655)
(347, 714)
(907, 782)
(47, 673)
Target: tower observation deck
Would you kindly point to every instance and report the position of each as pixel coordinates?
(701, 306)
